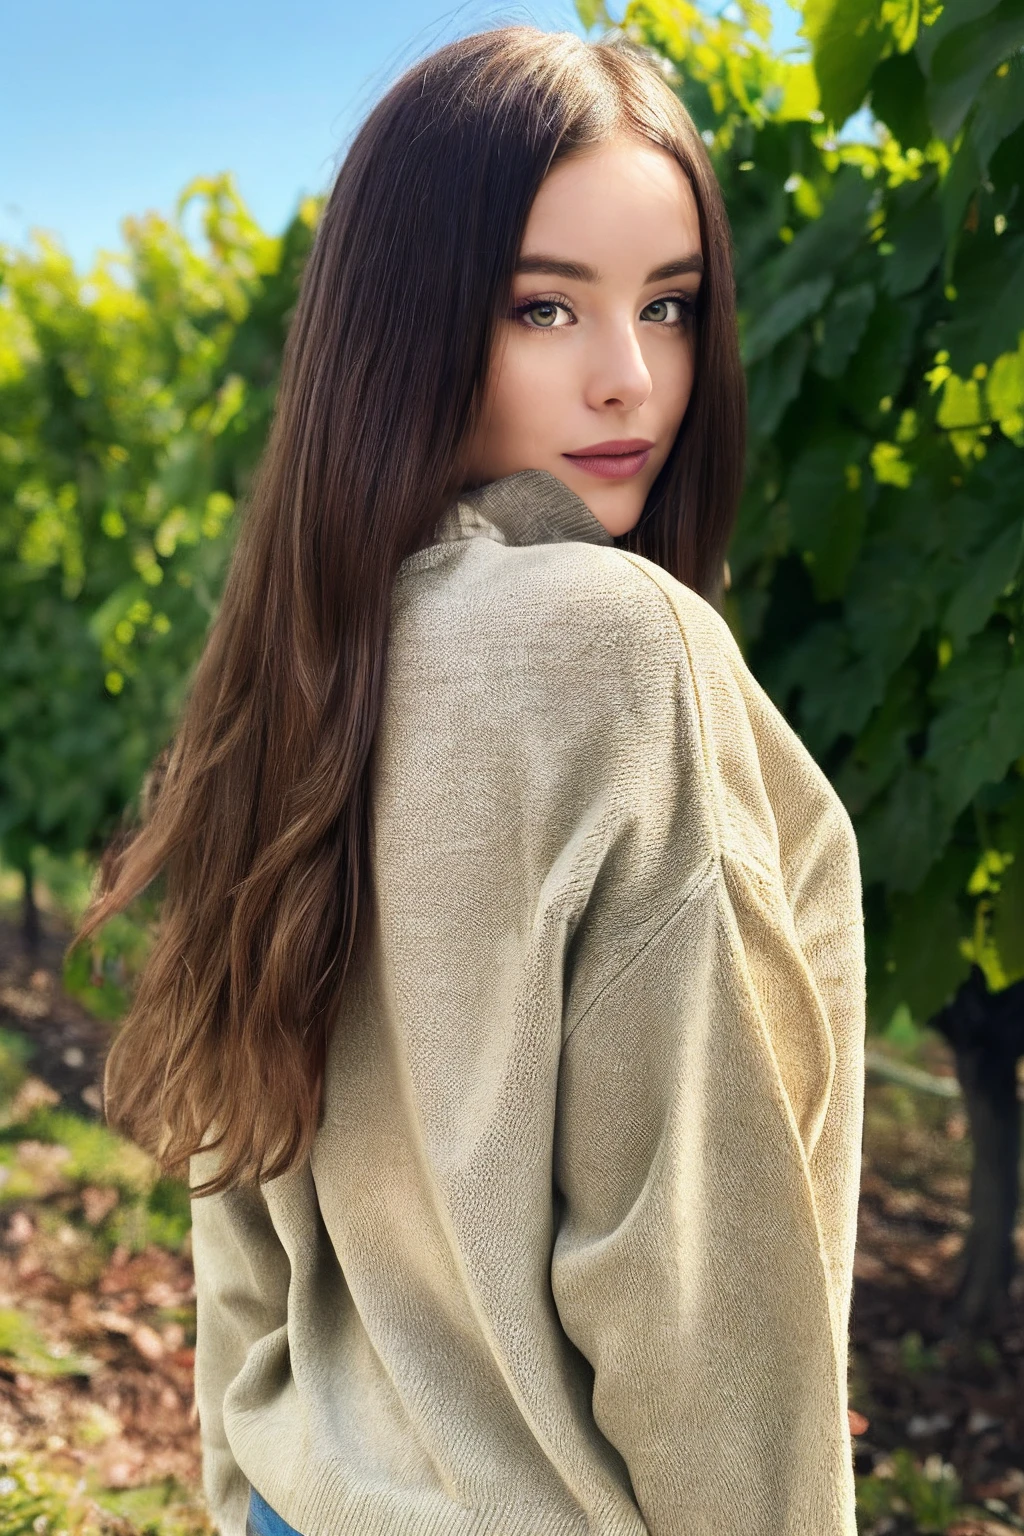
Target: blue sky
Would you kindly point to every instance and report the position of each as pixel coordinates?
(108, 109)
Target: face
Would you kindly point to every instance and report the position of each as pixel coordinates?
(592, 369)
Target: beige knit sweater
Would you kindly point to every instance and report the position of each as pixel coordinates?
(573, 1252)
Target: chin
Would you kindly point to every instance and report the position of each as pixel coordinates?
(617, 526)
(617, 515)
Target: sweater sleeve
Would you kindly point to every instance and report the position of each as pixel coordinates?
(241, 1278)
(708, 1139)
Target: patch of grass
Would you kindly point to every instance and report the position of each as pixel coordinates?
(931, 1494)
(53, 1151)
(15, 1050)
(27, 1501)
(23, 1344)
(916, 1356)
(98, 1154)
(155, 1509)
(94, 1426)
(149, 1221)
(36, 1499)
(170, 1213)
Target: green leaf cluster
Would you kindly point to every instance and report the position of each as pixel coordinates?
(929, 1495)
(874, 190)
(134, 401)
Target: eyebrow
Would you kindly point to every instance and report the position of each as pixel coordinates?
(578, 271)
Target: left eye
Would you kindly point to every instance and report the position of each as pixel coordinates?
(662, 305)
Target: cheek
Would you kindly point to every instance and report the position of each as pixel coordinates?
(530, 381)
(672, 373)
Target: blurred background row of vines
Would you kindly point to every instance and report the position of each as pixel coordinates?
(876, 568)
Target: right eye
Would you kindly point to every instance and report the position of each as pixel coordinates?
(546, 311)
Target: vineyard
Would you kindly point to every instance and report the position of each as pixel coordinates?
(876, 589)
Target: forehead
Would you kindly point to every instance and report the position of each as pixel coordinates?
(627, 198)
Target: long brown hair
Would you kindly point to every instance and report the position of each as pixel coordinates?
(261, 827)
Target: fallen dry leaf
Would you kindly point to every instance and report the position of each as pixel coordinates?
(148, 1342)
(97, 1203)
(116, 1323)
(20, 1229)
(33, 1094)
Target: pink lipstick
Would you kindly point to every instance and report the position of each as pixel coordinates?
(616, 459)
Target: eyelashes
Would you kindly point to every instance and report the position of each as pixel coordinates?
(687, 303)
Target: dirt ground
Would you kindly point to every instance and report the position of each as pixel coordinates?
(131, 1420)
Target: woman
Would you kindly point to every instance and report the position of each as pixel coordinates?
(507, 1004)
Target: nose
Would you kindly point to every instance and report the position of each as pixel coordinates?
(618, 374)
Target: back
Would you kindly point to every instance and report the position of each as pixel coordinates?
(574, 1247)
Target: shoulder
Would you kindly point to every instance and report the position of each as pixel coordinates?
(559, 646)
(652, 627)
(576, 592)
(696, 623)
(597, 586)
(771, 792)
(578, 618)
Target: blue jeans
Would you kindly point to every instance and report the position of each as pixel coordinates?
(263, 1521)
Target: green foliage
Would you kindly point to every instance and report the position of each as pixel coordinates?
(95, 1154)
(154, 1509)
(134, 401)
(877, 562)
(100, 974)
(24, 1347)
(931, 1495)
(15, 1051)
(51, 1151)
(916, 1357)
(27, 1503)
(168, 1213)
(66, 879)
(37, 1499)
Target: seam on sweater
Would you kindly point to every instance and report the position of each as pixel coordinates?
(715, 858)
(700, 882)
(727, 848)
(804, 1155)
(727, 918)
(717, 863)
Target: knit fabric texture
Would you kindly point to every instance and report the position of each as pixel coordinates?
(573, 1251)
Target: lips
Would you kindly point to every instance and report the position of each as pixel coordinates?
(614, 460)
(613, 446)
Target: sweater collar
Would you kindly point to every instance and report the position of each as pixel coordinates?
(533, 506)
